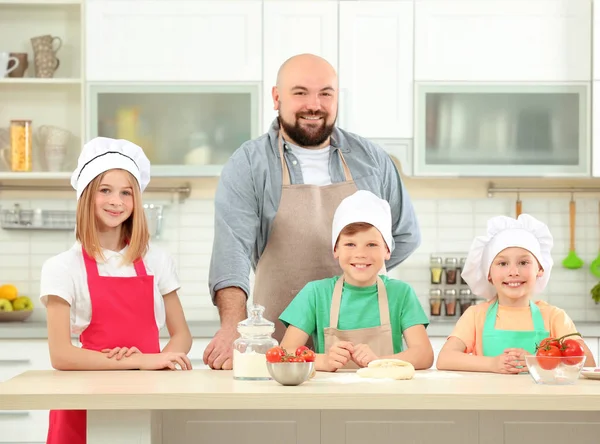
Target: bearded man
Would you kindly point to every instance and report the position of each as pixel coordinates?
(276, 198)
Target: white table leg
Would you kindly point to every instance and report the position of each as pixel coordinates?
(123, 427)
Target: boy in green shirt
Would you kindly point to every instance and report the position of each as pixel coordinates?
(360, 316)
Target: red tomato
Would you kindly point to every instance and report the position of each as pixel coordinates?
(572, 350)
(308, 355)
(297, 359)
(553, 342)
(275, 354)
(548, 352)
(300, 349)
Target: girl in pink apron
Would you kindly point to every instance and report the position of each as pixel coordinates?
(111, 288)
(362, 315)
(507, 266)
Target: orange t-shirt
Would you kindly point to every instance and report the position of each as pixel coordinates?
(469, 327)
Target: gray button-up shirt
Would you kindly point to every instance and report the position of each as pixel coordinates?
(249, 191)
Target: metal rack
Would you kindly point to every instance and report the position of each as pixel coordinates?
(18, 219)
(518, 190)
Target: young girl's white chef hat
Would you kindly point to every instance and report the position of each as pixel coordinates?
(363, 206)
(503, 232)
(102, 154)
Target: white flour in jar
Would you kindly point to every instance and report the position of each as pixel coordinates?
(250, 365)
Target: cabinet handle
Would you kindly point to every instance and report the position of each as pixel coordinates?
(14, 361)
(13, 413)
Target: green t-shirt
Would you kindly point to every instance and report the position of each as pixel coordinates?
(309, 310)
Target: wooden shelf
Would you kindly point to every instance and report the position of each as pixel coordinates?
(38, 81)
(7, 175)
(40, 2)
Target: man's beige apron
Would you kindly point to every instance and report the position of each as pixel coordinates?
(299, 247)
(379, 339)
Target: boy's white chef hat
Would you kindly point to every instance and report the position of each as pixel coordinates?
(503, 232)
(363, 206)
(102, 154)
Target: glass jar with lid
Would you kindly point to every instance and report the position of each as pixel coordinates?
(249, 350)
(436, 268)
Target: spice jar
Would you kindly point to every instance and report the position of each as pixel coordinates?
(466, 299)
(450, 270)
(250, 349)
(20, 145)
(450, 302)
(461, 267)
(435, 302)
(435, 265)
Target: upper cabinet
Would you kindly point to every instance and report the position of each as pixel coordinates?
(295, 27)
(376, 68)
(173, 40)
(503, 40)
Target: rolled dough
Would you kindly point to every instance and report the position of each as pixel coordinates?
(387, 369)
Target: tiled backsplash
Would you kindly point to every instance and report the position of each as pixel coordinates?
(448, 226)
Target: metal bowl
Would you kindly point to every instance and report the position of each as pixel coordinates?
(290, 373)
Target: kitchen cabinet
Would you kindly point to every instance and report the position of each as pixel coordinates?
(185, 130)
(55, 101)
(503, 40)
(16, 357)
(376, 68)
(495, 130)
(596, 128)
(295, 27)
(173, 40)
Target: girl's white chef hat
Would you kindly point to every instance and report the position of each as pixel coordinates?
(503, 232)
(363, 206)
(102, 154)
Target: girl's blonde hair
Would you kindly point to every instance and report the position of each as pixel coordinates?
(134, 230)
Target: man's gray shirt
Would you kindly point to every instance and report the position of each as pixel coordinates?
(249, 191)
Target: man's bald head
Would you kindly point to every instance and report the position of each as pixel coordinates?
(306, 97)
(303, 64)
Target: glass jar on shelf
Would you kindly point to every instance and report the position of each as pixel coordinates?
(450, 267)
(450, 301)
(250, 349)
(435, 302)
(21, 143)
(436, 268)
(465, 296)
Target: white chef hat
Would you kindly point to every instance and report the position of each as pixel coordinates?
(503, 232)
(363, 206)
(102, 154)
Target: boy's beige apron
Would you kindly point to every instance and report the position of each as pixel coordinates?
(379, 339)
(299, 247)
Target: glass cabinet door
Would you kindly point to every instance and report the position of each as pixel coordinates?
(502, 130)
(185, 130)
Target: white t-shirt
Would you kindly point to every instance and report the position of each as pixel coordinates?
(314, 164)
(64, 275)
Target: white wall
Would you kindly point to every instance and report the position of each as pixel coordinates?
(448, 226)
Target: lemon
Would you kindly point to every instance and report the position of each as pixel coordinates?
(8, 292)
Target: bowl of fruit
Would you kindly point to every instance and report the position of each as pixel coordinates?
(291, 369)
(557, 361)
(14, 307)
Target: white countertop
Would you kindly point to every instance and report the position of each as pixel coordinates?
(209, 389)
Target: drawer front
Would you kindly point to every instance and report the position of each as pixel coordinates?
(18, 356)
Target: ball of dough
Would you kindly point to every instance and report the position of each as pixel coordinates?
(388, 369)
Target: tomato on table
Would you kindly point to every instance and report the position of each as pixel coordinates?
(546, 357)
(572, 350)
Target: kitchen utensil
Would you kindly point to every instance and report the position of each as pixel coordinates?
(18, 68)
(154, 216)
(290, 373)
(5, 59)
(572, 261)
(591, 372)
(519, 206)
(563, 373)
(595, 265)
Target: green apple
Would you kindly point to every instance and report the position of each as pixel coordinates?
(22, 303)
(5, 305)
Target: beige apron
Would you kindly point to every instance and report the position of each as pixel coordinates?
(299, 246)
(379, 339)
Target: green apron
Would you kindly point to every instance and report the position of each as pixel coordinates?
(496, 341)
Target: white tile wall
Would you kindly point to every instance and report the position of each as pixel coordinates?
(448, 226)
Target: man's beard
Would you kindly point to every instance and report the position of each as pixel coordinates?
(304, 137)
